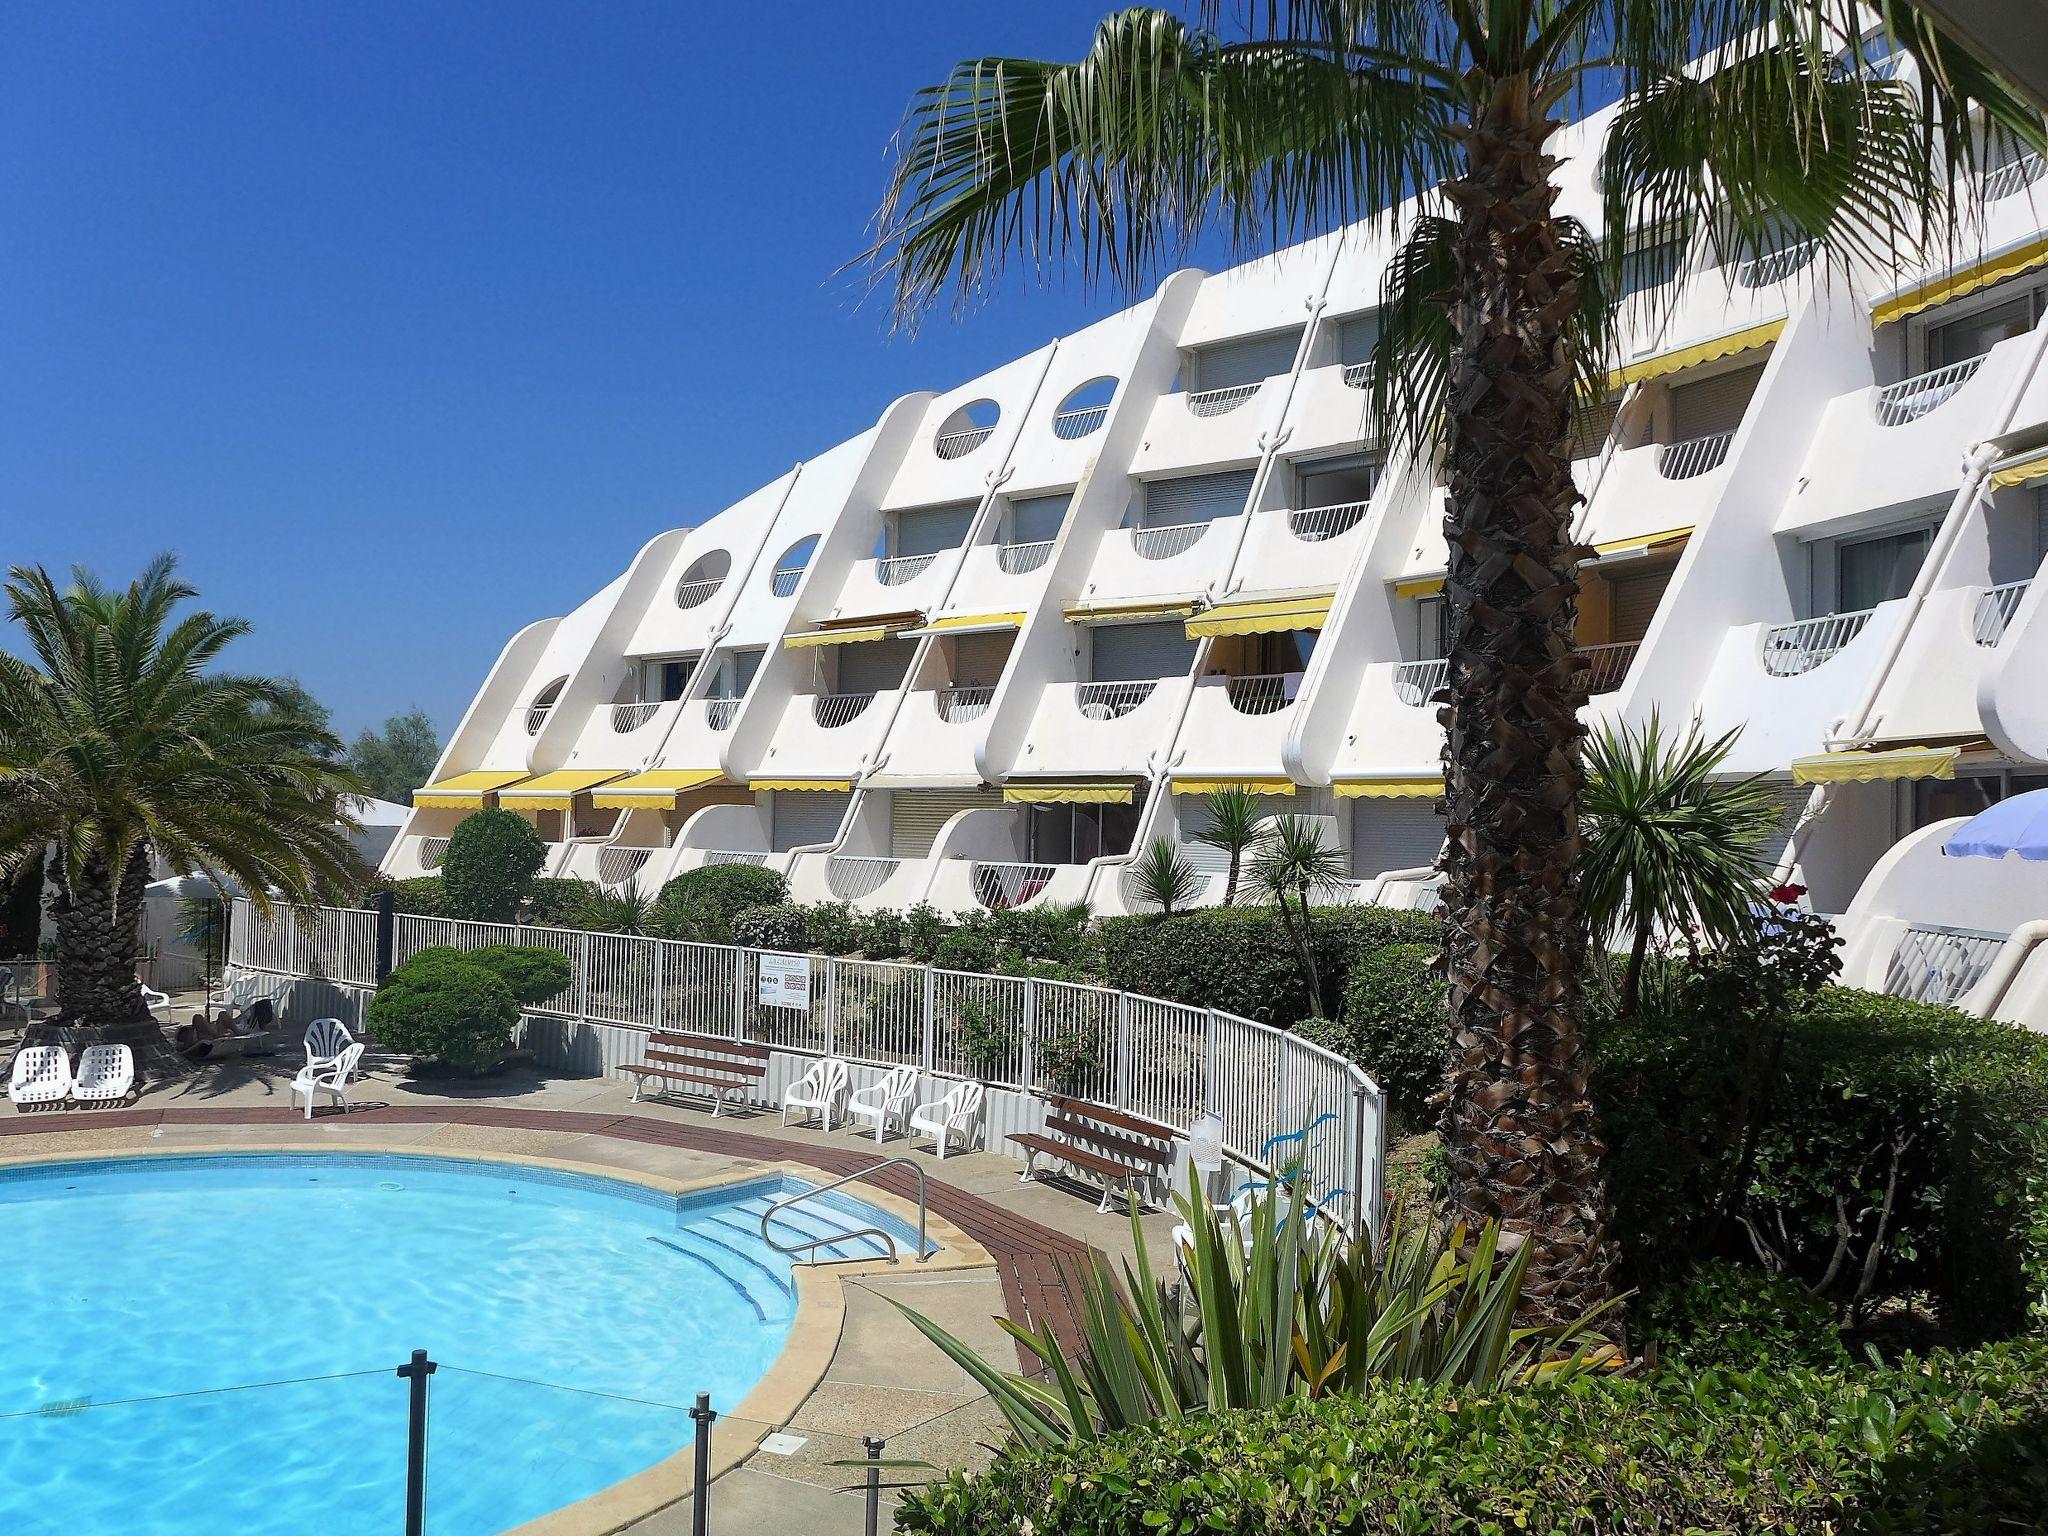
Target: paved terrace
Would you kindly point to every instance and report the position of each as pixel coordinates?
(883, 1379)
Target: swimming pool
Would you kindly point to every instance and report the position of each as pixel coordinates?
(206, 1343)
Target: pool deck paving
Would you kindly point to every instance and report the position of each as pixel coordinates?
(883, 1379)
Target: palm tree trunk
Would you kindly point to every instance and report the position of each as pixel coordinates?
(1520, 1132)
(98, 929)
(1230, 879)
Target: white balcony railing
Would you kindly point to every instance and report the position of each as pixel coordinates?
(694, 594)
(783, 582)
(1415, 682)
(1068, 425)
(733, 856)
(1016, 559)
(1258, 693)
(1111, 701)
(1910, 399)
(2013, 176)
(537, 717)
(832, 710)
(630, 717)
(903, 568)
(957, 445)
(1769, 268)
(957, 706)
(1220, 402)
(432, 851)
(999, 885)
(1791, 649)
(1995, 610)
(719, 714)
(1938, 965)
(617, 867)
(1607, 665)
(1358, 375)
(1167, 540)
(1312, 525)
(852, 876)
(1694, 456)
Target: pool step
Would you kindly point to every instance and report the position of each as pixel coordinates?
(809, 1223)
(745, 1275)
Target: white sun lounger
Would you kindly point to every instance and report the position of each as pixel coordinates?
(818, 1090)
(106, 1075)
(886, 1102)
(41, 1075)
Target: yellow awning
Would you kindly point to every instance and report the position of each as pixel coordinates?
(2021, 471)
(802, 786)
(555, 791)
(1081, 792)
(1734, 343)
(1388, 789)
(1874, 767)
(1644, 541)
(1145, 608)
(1263, 785)
(1957, 281)
(464, 790)
(851, 634)
(654, 790)
(1262, 618)
(1419, 586)
(978, 621)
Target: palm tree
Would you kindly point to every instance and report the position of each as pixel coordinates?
(1163, 876)
(1494, 315)
(118, 744)
(1668, 841)
(1299, 866)
(1234, 819)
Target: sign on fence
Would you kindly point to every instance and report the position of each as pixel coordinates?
(785, 981)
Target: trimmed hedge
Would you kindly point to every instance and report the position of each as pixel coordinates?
(1394, 1026)
(460, 1007)
(718, 893)
(1238, 958)
(1954, 1443)
(491, 861)
(1729, 1315)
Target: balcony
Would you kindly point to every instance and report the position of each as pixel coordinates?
(734, 856)
(1935, 964)
(1358, 375)
(1417, 682)
(1694, 456)
(1206, 403)
(999, 886)
(957, 445)
(1021, 559)
(849, 877)
(694, 594)
(1068, 425)
(1792, 649)
(432, 851)
(833, 710)
(958, 706)
(1166, 542)
(1606, 666)
(537, 717)
(2013, 177)
(627, 718)
(1770, 268)
(1911, 399)
(783, 582)
(1316, 525)
(1261, 693)
(1995, 610)
(897, 571)
(719, 714)
(617, 867)
(1110, 701)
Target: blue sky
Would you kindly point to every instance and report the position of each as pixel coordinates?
(405, 325)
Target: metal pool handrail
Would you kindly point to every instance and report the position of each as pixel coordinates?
(793, 1249)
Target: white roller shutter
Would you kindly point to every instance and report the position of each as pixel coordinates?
(800, 818)
(978, 660)
(1129, 653)
(1197, 498)
(1246, 361)
(1355, 338)
(917, 816)
(873, 666)
(2041, 524)
(929, 530)
(1037, 519)
(1635, 599)
(1394, 834)
(1713, 405)
(1593, 424)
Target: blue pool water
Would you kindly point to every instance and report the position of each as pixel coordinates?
(575, 1320)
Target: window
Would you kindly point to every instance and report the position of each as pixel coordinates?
(1196, 498)
(1250, 360)
(1968, 793)
(1356, 338)
(734, 675)
(1592, 424)
(1432, 628)
(1074, 834)
(1038, 519)
(1338, 482)
(930, 530)
(1873, 571)
(1134, 653)
(1968, 336)
(1649, 264)
(666, 678)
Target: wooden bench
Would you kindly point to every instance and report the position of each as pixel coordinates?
(715, 1066)
(1121, 1149)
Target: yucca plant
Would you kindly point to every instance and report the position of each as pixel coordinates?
(623, 910)
(1164, 877)
(1296, 867)
(1668, 840)
(1234, 821)
(1285, 1305)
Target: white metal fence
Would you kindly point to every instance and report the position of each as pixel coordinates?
(1019, 559)
(1938, 965)
(1910, 399)
(957, 445)
(1790, 649)
(1216, 402)
(832, 710)
(902, 568)
(1694, 456)
(1166, 540)
(1995, 610)
(1769, 268)
(1111, 701)
(957, 706)
(850, 876)
(1067, 425)
(1312, 525)
(1023, 1037)
(1416, 682)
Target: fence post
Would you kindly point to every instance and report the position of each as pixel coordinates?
(700, 1493)
(660, 971)
(874, 1450)
(583, 978)
(927, 1052)
(1209, 1062)
(415, 1374)
(1027, 1066)
(1360, 1197)
(1123, 1050)
(739, 994)
(831, 999)
(387, 934)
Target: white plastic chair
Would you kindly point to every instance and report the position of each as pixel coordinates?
(885, 1102)
(818, 1090)
(327, 1041)
(41, 1075)
(153, 999)
(329, 1078)
(106, 1075)
(958, 1114)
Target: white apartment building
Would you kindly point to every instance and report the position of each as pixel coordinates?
(981, 653)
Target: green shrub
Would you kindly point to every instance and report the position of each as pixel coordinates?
(422, 895)
(1398, 1025)
(987, 1041)
(491, 861)
(727, 889)
(1737, 1317)
(968, 949)
(1239, 959)
(444, 1006)
(832, 927)
(533, 973)
(923, 928)
(694, 921)
(783, 926)
(1878, 1124)
(1955, 1443)
(553, 902)
(878, 935)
